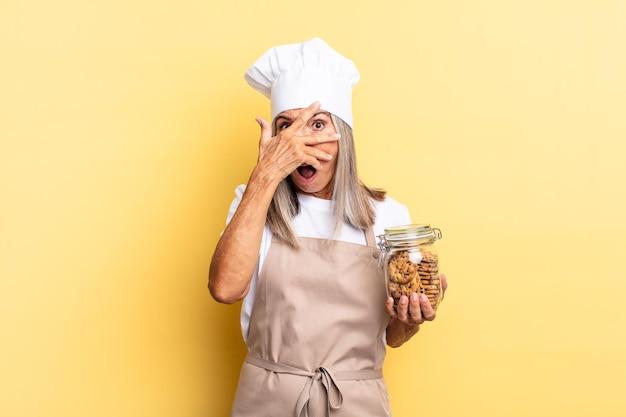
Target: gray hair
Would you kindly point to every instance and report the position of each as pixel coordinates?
(352, 201)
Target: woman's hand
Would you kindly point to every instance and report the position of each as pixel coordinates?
(292, 146)
(237, 251)
(411, 313)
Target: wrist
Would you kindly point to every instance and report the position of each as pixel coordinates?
(264, 179)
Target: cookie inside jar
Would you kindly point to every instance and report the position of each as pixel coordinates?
(411, 262)
(409, 272)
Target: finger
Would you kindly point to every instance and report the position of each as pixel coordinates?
(403, 309)
(305, 115)
(390, 309)
(428, 312)
(319, 138)
(313, 156)
(415, 310)
(306, 156)
(266, 135)
(444, 285)
(318, 155)
(266, 129)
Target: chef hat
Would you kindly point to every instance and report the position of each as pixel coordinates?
(294, 76)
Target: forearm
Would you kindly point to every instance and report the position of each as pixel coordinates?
(237, 250)
(399, 333)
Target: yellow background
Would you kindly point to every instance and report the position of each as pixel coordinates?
(126, 125)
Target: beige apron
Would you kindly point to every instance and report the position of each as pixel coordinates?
(315, 344)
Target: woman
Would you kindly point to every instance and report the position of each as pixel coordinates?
(299, 250)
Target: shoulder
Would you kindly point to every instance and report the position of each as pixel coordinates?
(235, 203)
(389, 202)
(389, 206)
(389, 213)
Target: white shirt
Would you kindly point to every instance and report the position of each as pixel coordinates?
(316, 221)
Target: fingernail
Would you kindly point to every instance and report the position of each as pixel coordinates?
(414, 296)
(403, 300)
(423, 298)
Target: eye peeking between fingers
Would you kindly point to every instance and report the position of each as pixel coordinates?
(318, 125)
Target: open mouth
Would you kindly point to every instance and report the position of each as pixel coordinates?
(306, 171)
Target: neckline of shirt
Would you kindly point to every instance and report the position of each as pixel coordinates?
(314, 202)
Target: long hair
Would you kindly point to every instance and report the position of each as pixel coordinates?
(352, 201)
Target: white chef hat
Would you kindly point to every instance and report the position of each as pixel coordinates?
(295, 75)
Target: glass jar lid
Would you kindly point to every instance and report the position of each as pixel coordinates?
(411, 232)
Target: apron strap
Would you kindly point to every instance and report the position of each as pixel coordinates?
(309, 397)
(369, 238)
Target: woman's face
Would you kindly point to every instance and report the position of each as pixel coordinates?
(308, 180)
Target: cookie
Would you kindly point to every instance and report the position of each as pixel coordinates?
(400, 269)
(405, 276)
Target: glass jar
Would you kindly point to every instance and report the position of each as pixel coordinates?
(411, 262)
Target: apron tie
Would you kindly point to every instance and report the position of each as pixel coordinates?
(309, 397)
(310, 394)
